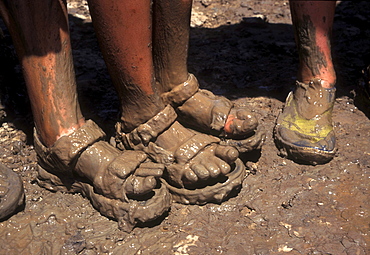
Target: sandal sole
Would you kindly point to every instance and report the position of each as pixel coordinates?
(215, 193)
(126, 213)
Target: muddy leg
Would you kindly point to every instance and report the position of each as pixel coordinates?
(55, 113)
(71, 152)
(41, 38)
(124, 31)
(304, 130)
(313, 21)
(171, 22)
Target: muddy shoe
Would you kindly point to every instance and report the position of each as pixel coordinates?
(11, 192)
(193, 161)
(121, 185)
(215, 115)
(304, 130)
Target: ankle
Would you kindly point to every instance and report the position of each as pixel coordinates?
(325, 83)
(178, 78)
(70, 130)
(48, 136)
(328, 84)
(327, 76)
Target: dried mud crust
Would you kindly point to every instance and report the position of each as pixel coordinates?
(282, 208)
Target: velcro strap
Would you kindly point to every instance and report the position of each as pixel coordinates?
(61, 156)
(182, 92)
(67, 148)
(141, 136)
(191, 147)
(158, 154)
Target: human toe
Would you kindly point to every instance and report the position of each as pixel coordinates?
(139, 185)
(200, 171)
(227, 153)
(213, 169)
(240, 123)
(210, 168)
(190, 177)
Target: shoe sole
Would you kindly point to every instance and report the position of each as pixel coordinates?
(307, 155)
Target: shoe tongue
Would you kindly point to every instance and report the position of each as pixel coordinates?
(312, 99)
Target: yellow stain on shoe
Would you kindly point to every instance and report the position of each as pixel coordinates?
(307, 127)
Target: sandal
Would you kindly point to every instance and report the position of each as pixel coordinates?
(216, 193)
(193, 161)
(304, 130)
(205, 112)
(11, 192)
(120, 185)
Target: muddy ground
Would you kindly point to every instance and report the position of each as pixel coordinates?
(244, 50)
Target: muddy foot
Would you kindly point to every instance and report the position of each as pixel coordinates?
(83, 162)
(304, 130)
(192, 160)
(205, 112)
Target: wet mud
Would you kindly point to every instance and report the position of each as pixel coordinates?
(244, 50)
(318, 143)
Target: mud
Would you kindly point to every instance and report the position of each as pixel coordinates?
(81, 162)
(11, 192)
(244, 50)
(167, 142)
(310, 132)
(314, 96)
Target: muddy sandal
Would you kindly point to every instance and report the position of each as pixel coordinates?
(198, 169)
(11, 192)
(205, 112)
(120, 185)
(304, 130)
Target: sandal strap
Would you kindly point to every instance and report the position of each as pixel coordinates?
(62, 156)
(218, 110)
(141, 137)
(185, 152)
(182, 92)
